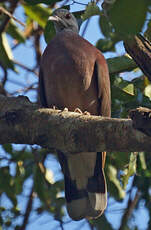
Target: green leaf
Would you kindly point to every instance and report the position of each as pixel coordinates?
(41, 187)
(112, 174)
(139, 83)
(125, 86)
(17, 227)
(49, 31)
(8, 223)
(91, 10)
(15, 32)
(39, 183)
(120, 64)
(38, 13)
(58, 211)
(147, 33)
(1, 221)
(131, 170)
(129, 88)
(105, 45)
(120, 162)
(49, 176)
(105, 26)
(19, 179)
(128, 16)
(78, 15)
(6, 53)
(7, 184)
(102, 222)
(7, 148)
(147, 91)
(47, 2)
(142, 160)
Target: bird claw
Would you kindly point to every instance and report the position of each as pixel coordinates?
(86, 113)
(54, 107)
(65, 109)
(77, 110)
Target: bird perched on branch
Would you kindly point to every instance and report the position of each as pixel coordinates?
(74, 74)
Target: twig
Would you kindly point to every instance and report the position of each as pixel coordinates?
(7, 18)
(90, 225)
(61, 224)
(25, 67)
(139, 48)
(11, 16)
(5, 75)
(85, 28)
(80, 3)
(130, 207)
(129, 210)
(28, 210)
(24, 90)
(37, 46)
(65, 3)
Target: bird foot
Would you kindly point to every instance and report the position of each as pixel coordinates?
(54, 107)
(86, 113)
(77, 110)
(65, 109)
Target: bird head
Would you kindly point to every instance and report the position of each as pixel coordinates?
(64, 20)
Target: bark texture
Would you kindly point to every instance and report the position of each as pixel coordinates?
(22, 122)
(141, 119)
(139, 48)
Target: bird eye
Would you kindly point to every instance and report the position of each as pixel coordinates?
(68, 16)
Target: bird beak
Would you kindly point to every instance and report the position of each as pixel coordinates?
(54, 18)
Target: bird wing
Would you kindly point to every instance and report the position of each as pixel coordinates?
(41, 90)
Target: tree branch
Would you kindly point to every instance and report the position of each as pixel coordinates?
(141, 119)
(6, 19)
(25, 67)
(2, 9)
(28, 210)
(22, 122)
(130, 208)
(120, 64)
(140, 50)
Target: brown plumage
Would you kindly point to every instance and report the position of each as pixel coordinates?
(74, 74)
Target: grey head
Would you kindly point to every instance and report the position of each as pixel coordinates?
(64, 20)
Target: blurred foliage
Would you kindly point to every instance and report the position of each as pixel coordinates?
(130, 89)
(128, 17)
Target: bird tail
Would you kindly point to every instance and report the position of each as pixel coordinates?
(85, 184)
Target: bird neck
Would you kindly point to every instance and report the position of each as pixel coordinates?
(74, 30)
(71, 29)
